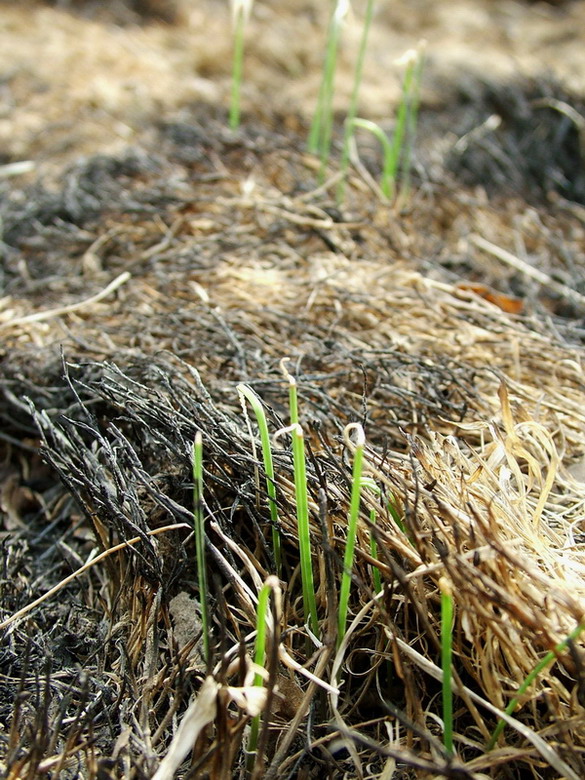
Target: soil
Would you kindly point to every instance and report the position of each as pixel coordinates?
(152, 259)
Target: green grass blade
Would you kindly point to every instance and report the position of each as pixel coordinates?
(411, 122)
(247, 393)
(391, 162)
(396, 516)
(403, 123)
(270, 585)
(302, 502)
(353, 103)
(549, 658)
(370, 484)
(387, 182)
(322, 125)
(446, 658)
(354, 510)
(374, 552)
(200, 541)
(302, 505)
(293, 401)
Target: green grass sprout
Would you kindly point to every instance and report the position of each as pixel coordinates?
(199, 523)
(395, 514)
(302, 505)
(397, 153)
(241, 10)
(293, 401)
(414, 61)
(368, 483)
(322, 125)
(549, 658)
(374, 551)
(352, 524)
(353, 103)
(270, 586)
(246, 393)
(388, 178)
(302, 502)
(446, 658)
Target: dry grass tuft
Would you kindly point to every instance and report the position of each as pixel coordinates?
(474, 424)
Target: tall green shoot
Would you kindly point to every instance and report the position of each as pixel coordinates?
(302, 503)
(377, 579)
(322, 125)
(397, 153)
(271, 585)
(414, 60)
(370, 484)
(199, 523)
(241, 10)
(246, 393)
(446, 659)
(388, 177)
(352, 524)
(549, 658)
(353, 103)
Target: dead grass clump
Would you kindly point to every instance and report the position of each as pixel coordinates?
(526, 138)
(477, 507)
(473, 422)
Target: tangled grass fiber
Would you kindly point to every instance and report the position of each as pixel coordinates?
(473, 431)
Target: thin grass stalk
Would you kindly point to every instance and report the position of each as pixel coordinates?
(406, 117)
(354, 511)
(246, 392)
(240, 13)
(260, 659)
(199, 524)
(302, 505)
(394, 513)
(391, 161)
(322, 125)
(353, 103)
(302, 502)
(370, 484)
(388, 179)
(549, 658)
(411, 122)
(293, 400)
(315, 133)
(376, 578)
(446, 659)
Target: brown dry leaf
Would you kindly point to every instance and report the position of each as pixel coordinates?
(504, 302)
(13, 498)
(200, 713)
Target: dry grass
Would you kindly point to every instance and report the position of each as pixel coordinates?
(141, 290)
(470, 431)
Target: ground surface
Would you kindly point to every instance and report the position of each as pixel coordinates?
(218, 253)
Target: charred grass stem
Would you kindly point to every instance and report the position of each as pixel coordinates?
(199, 523)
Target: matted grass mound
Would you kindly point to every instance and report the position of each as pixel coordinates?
(153, 285)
